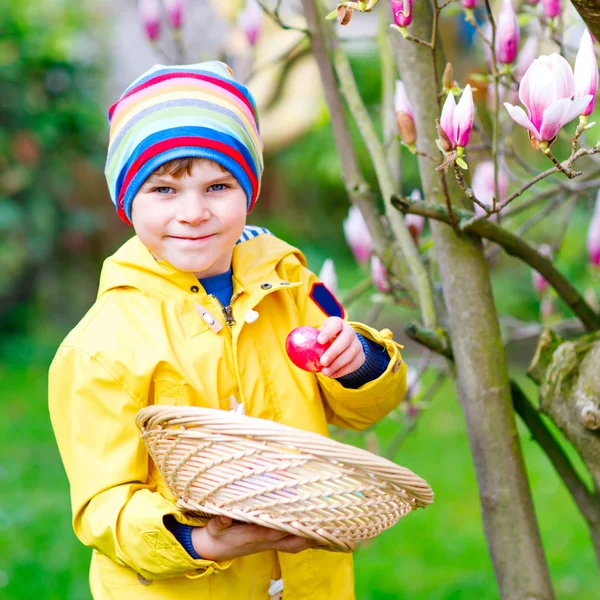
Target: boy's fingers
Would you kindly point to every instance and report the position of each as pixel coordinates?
(330, 328)
(293, 544)
(345, 363)
(343, 341)
(217, 525)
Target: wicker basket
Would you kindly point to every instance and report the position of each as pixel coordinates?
(257, 471)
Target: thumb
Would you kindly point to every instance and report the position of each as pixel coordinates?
(220, 523)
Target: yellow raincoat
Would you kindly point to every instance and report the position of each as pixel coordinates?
(145, 342)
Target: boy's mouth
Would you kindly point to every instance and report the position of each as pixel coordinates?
(191, 239)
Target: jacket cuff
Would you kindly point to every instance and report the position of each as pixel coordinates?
(376, 362)
(183, 534)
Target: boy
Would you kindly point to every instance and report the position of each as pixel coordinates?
(195, 310)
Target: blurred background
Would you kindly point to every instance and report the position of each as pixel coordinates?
(61, 66)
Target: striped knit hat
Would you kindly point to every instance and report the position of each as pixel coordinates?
(178, 112)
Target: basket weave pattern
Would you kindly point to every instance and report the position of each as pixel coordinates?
(257, 471)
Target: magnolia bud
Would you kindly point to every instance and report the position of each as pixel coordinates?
(406, 128)
(344, 14)
(448, 78)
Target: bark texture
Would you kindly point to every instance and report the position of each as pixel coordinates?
(590, 13)
(568, 374)
(483, 384)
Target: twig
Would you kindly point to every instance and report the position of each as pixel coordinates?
(437, 341)
(566, 171)
(514, 246)
(275, 16)
(495, 119)
(467, 190)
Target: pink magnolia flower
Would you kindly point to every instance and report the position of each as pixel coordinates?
(403, 12)
(469, 3)
(547, 90)
(586, 72)
(534, 2)
(357, 235)
(457, 120)
(483, 185)
(328, 276)
(507, 34)
(593, 238)
(250, 20)
(415, 223)
(551, 8)
(379, 275)
(174, 10)
(149, 11)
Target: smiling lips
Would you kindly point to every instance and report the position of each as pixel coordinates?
(191, 239)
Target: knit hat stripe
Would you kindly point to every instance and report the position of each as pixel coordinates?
(223, 149)
(179, 112)
(189, 69)
(185, 111)
(204, 101)
(170, 89)
(180, 133)
(178, 77)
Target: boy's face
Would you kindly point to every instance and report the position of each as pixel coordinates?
(192, 222)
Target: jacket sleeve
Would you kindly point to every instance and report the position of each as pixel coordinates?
(351, 408)
(116, 510)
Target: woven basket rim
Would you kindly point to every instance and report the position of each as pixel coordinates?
(234, 425)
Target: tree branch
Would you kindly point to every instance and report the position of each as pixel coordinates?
(514, 246)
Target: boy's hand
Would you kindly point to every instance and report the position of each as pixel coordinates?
(345, 354)
(222, 540)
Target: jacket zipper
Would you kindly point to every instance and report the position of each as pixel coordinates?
(226, 310)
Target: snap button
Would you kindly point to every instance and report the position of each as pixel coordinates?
(397, 366)
(143, 580)
(266, 286)
(251, 316)
(195, 289)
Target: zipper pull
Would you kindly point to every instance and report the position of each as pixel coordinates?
(229, 315)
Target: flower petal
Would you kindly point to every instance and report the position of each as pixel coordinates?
(576, 108)
(463, 117)
(563, 75)
(518, 114)
(586, 71)
(447, 118)
(554, 118)
(542, 93)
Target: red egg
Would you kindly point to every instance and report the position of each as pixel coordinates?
(304, 350)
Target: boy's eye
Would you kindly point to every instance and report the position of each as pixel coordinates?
(218, 187)
(163, 189)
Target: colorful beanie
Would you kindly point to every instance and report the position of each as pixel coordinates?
(178, 112)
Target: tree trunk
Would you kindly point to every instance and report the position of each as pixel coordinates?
(590, 13)
(483, 384)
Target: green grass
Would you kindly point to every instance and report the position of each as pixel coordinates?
(437, 553)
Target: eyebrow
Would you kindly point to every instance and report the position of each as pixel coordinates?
(170, 180)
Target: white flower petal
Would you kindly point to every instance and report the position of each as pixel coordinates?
(518, 114)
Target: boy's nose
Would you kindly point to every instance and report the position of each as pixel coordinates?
(193, 211)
